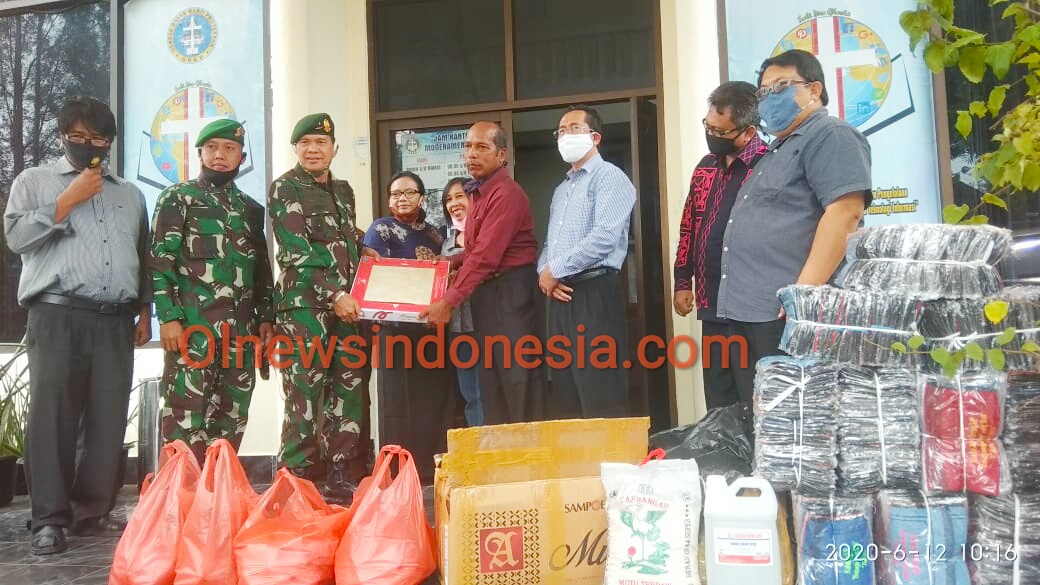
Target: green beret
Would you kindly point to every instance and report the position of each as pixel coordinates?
(313, 124)
(226, 129)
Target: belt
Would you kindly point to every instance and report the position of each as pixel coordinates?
(587, 275)
(84, 304)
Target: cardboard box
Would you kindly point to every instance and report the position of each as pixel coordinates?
(542, 450)
(551, 532)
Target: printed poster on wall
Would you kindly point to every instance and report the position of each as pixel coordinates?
(436, 156)
(873, 82)
(187, 64)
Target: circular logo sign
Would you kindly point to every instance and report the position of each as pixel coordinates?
(857, 67)
(177, 125)
(192, 35)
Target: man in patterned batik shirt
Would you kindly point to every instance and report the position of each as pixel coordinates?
(210, 268)
(731, 130)
(325, 434)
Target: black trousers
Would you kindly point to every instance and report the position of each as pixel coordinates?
(416, 404)
(763, 339)
(511, 306)
(587, 391)
(720, 383)
(80, 368)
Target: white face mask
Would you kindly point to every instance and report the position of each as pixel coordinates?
(574, 146)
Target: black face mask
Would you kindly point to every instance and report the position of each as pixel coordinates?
(83, 155)
(720, 146)
(218, 178)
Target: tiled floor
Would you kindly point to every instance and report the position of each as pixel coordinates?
(87, 561)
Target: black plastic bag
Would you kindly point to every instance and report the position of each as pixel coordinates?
(721, 442)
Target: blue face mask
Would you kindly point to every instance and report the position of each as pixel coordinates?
(778, 110)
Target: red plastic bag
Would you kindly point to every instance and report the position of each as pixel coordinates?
(388, 541)
(290, 537)
(222, 503)
(147, 551)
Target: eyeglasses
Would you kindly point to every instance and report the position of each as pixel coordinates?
(572, 129)
(407, 193)
(79, 139)
(716, 131)
(778, 86)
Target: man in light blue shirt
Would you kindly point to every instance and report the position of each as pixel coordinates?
(579, 270)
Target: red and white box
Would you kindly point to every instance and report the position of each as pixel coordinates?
(393, 289)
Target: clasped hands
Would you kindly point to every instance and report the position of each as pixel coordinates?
(553, 288)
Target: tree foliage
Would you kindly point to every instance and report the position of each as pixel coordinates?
(1013, 164)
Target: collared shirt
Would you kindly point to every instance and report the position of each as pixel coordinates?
(713, 189)
(588, 220)
(499, 234)
(98, 252)
(771, 228)
(318, 249)
(209, 258)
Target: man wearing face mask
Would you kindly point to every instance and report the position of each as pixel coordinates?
(210, 268)
(82, 233)
(580, 264)
(792, 216)
(731, 131)
(325, 432)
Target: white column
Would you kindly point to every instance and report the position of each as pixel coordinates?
(690, 69)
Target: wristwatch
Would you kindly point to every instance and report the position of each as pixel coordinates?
(338, 294)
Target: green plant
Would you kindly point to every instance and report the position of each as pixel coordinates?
(1014, 163)
(14, 404)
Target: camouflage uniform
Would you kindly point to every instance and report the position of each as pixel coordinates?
(211, 268)
(326, 409)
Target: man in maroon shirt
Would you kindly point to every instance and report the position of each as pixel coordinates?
(498, 275)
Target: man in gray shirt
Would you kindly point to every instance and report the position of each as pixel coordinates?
(82, 233)
(792, 216)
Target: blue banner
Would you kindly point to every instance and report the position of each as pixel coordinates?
(187, 64)
(873, 81)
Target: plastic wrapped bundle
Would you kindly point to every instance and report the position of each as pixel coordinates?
(961, 420)
(1005, 540)
(964, 317)
(922, 279)
(836, 543)
(828, 323)
(879, 434)
(923, 539)
(1021, 436)
(983, 243)
(795, 404)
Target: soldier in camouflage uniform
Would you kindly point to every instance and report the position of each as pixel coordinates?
(325, 434)
(210, 268)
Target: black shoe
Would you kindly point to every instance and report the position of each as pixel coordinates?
(100, 526)
(49, 540)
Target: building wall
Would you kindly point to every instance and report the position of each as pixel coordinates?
(690, 71)
(319, 62)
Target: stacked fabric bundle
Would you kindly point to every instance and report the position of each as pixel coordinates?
(844, 326)
(1005, 547)
(931, 242)
(1022, 431)
(795, 424)
(879, 436)
(925, 537)
(927, 261)
(836, 543)
(961, 422)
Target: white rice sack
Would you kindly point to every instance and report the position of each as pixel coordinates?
(653, 511)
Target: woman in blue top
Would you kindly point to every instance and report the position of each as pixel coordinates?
(416, 404)
(456, 206)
